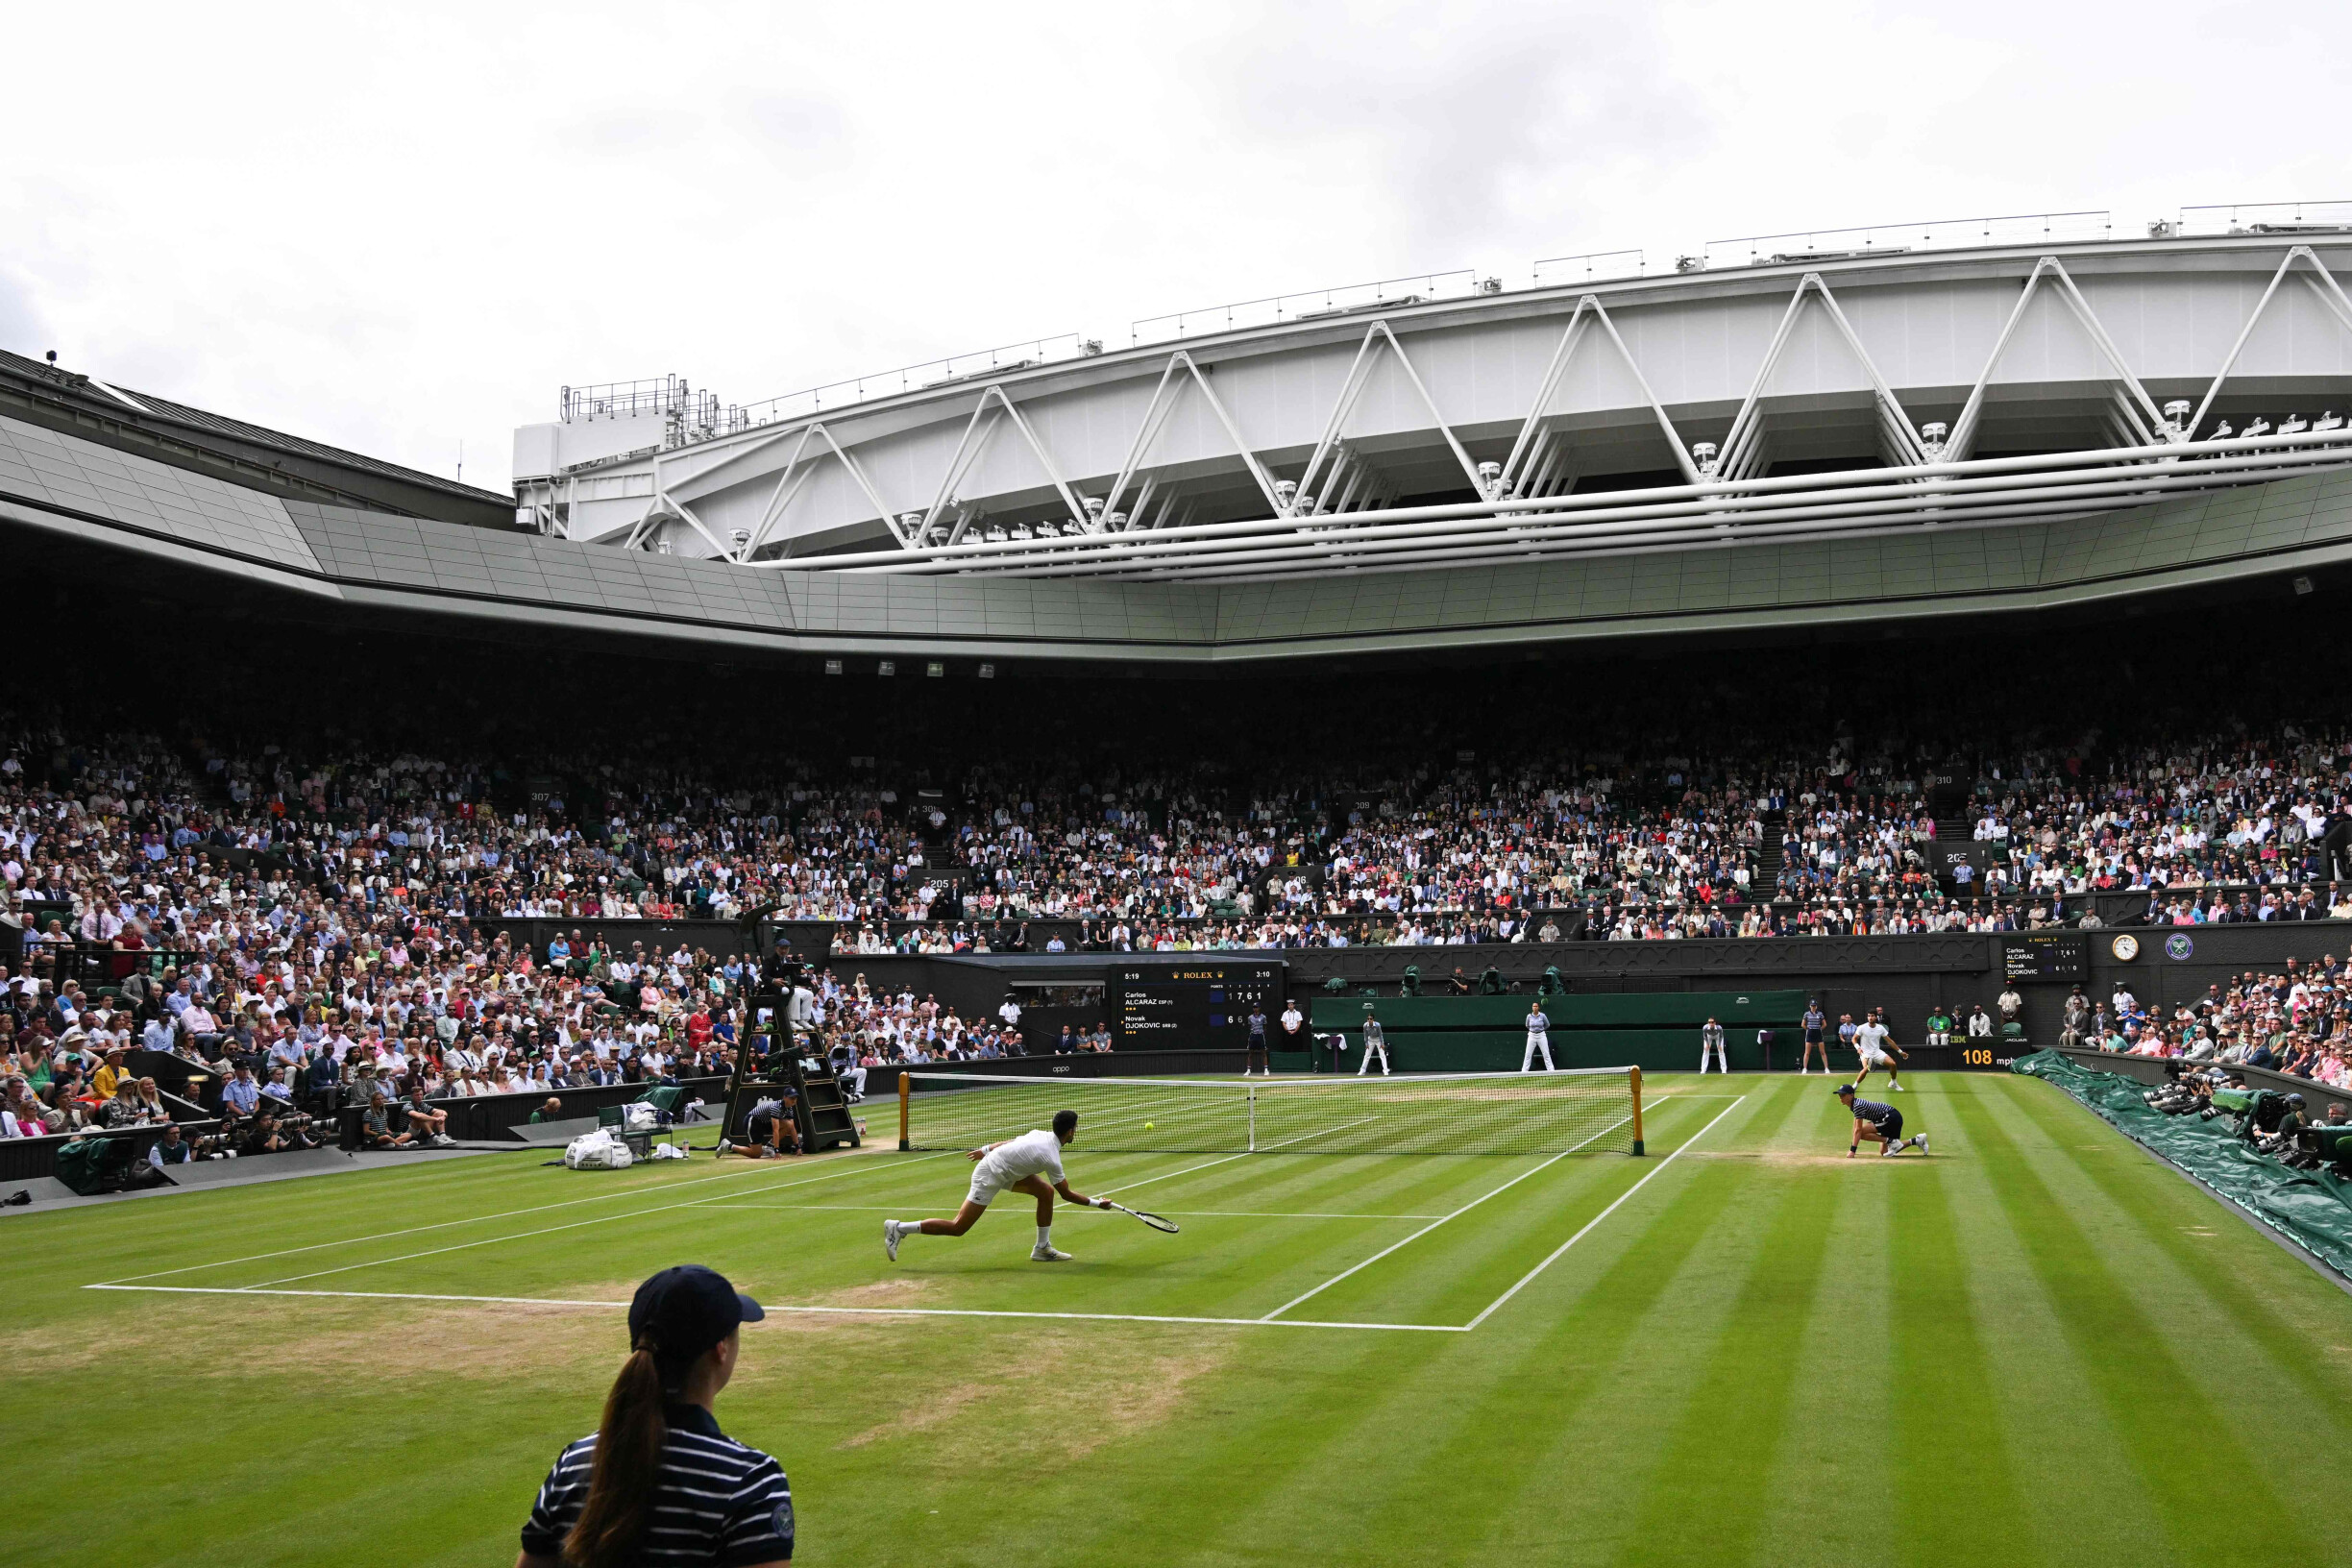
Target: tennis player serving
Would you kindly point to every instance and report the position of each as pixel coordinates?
(1030, 1164)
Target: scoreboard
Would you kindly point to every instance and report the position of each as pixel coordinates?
(2046, 955)
(1190, 1007)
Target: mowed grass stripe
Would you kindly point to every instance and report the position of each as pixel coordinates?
(2159, 1408)
(1579, 1499)
(1701, 1504)
(1486, 1412)
(2149, 1197)
(1958, 1502)
(2044, 1397)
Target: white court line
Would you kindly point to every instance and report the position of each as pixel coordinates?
(1463, 1209)
(841, 1312)
(850, 1165)
(1602, 1215)
(1173, 1214)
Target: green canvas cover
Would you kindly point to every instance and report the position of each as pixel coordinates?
(2312, 1209)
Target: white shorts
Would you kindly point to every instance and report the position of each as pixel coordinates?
(987, 1183)
(1870, 1061)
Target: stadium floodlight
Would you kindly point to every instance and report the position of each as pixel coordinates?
(2328, 420)
(833, 666)
(988, 672)
(888, 667)
(994, 533)
(2257, 426)
(2302, 585)
(935, 669)
(1285, 492)
(2293, 424)
(1703, 452)
(1932, 435)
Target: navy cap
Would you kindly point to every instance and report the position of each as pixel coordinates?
(1842, 1090)
(685, 1310)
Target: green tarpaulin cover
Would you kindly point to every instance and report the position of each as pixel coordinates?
(2312, 1209)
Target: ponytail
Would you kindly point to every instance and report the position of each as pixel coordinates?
(620, 1503)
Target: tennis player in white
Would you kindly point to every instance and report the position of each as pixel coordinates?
(1374, 1044)
(1872, 1040)
(1030, 1164)
(1540, 1039)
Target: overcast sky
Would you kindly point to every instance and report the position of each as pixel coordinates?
(403, 228)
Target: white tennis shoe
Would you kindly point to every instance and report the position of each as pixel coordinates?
(1048, 1254)
(892, 1233)
(1921, 1141)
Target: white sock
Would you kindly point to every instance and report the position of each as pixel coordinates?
(1044, 1236)
(909, 1227)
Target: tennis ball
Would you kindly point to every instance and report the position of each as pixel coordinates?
(1147, 1126)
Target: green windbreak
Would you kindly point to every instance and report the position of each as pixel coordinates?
(2312, 1209)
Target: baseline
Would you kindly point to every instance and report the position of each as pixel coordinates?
(838, 1311)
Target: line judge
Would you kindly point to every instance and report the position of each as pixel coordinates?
(657, 1482)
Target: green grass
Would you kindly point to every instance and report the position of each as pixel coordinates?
(2035, 1347)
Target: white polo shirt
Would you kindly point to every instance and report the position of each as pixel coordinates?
(1017, 1159)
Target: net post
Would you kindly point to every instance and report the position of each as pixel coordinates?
(1637, 1127)
(906, 1090)
(1253, 1119)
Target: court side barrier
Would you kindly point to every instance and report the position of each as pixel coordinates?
(2157, 1069)
(2313, 1209)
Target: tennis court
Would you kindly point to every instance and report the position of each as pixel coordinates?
(1743, 1347)
(1383, 1241)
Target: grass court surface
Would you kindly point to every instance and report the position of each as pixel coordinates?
(2035, 1346)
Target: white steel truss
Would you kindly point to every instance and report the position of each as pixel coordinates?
(2135, 411)
(1526, 505)
(1743, 446)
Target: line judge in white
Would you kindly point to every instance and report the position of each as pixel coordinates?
(1030, 1164)
(1539, 1040)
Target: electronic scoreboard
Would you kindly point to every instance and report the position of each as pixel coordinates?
(1190, 1007)
(2045, 956)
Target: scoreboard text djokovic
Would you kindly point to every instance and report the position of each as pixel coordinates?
(1172, 1007)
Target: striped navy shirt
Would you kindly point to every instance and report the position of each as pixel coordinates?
(1877, 1113)
(718, 1502)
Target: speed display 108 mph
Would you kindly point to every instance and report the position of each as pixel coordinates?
(1190, 1007)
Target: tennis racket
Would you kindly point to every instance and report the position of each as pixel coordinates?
(1158, 1222)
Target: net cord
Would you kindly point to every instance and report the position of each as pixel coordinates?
(1275, 1085)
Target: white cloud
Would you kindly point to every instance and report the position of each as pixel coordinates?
(403, 228)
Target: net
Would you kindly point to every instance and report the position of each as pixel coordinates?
(1592, 1109)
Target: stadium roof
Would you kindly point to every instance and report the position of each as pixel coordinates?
(197, 439)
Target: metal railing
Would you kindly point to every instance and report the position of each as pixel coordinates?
(1388, 293)
(929, 373)
(622, 400)
(1895, 238)
(1596, 266)
(2267, 218)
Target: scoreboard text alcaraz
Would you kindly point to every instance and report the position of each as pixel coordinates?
(1176, 1007)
